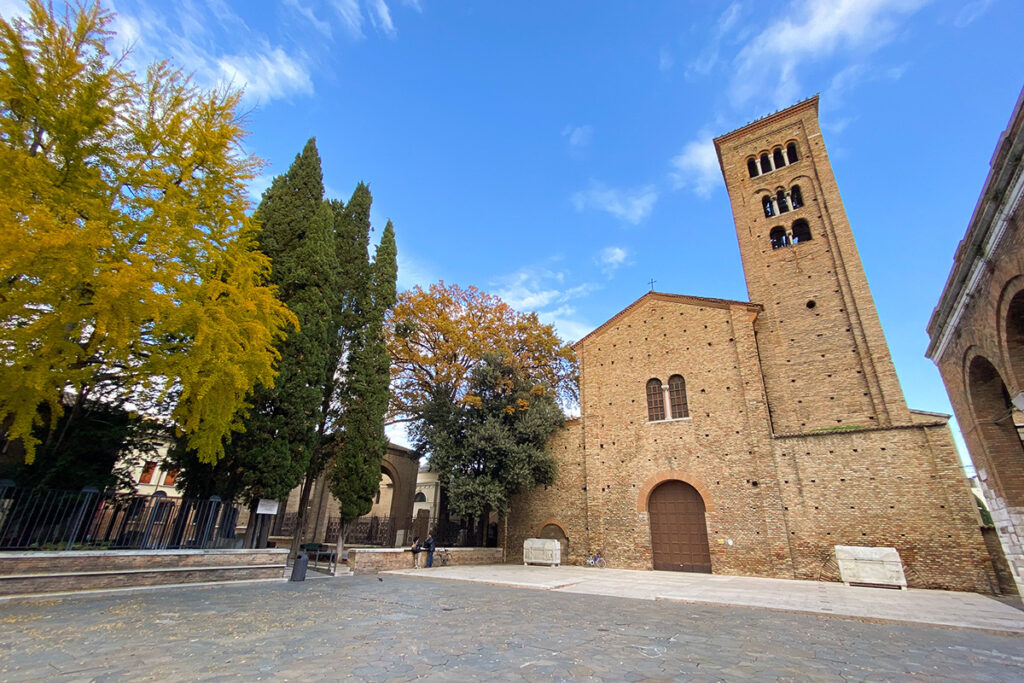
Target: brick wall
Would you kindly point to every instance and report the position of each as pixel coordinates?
(370, 560)
(768, 383)
(979, 343)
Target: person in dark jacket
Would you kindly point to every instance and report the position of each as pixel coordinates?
(428, 547)
(417, 547)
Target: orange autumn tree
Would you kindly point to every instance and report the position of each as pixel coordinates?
(436, 337)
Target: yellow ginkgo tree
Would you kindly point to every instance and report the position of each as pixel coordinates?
(126, 253)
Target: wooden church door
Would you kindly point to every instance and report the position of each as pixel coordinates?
(679, 533)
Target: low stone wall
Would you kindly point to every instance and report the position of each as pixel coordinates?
(371, 560)
(45, 562)
(26, 573)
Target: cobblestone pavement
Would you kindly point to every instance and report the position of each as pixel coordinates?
(399, 628)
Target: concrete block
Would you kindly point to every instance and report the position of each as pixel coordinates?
(867, 565)
(542, 551)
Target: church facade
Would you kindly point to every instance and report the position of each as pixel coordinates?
(750, 438)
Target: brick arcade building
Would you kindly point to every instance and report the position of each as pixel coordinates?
(977, 340)
(750, 438)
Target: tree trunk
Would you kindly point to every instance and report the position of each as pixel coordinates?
(485, 516)
(343, 528)
(299, 535)
(250, 527)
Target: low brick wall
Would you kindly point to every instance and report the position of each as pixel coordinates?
(46, 562)
(26, 573)
(370, 560)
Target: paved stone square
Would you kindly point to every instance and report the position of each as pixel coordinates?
(399, 628)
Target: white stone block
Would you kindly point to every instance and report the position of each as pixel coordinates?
(542, 551)
(870, 565)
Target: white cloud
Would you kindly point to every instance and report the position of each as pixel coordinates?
(258, 185)
(187, 38)
(13, 9)
(351, 16)
(771, 61)
(971, 11)
(320, 25)
(267, 74)
(568, 329)
(613, 256)
(709, 56)
(398, 433)
(381, 18)
(415, 4)
(541, 290)
(696, 167)
(610, 259)
(631, 205)
(579, 136)
(412, 272)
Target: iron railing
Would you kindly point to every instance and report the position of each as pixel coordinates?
(39, 519)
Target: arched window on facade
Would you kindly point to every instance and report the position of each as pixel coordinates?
(777, 157)
(801, 231)
(779, 237)
(677, 397)
(752, 167)
(420, 497)
(796, 198)
(766, 203)
(766, 164)
(780, 199)
(655, 401)
(791, 152)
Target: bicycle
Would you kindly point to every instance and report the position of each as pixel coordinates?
(595, 561)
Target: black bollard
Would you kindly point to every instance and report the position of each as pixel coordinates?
(300, 566)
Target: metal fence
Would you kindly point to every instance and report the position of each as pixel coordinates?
(39, 519)
(384, 531)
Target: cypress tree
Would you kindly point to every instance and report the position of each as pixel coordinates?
(298, 235)
(355, 468)
(351, 242)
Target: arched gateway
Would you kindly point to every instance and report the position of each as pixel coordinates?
(679, 533)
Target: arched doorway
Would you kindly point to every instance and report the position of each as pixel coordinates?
(1002, 451)
(679, 533)
(1015, 337)
(556, 532)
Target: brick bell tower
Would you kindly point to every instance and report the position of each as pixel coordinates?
(825, 360)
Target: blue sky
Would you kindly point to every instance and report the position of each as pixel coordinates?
(559, 154)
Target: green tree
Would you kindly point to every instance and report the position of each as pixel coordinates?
(355, 468)
(492, 444)
(352, 238)
(297, 234)
(94, 443)
(127, 256)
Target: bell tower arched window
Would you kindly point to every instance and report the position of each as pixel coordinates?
(655, 400)
(780, 199)
(766, 164)
(777, 157)
(778, 237)
(752, 167)
(801, 231)
(796, 197)
(677, 397)
(769, 209)
(791, 152)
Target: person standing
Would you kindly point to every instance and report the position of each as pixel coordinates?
(417, 547)
(428, 547)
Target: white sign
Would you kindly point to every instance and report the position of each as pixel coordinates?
(267, 507)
